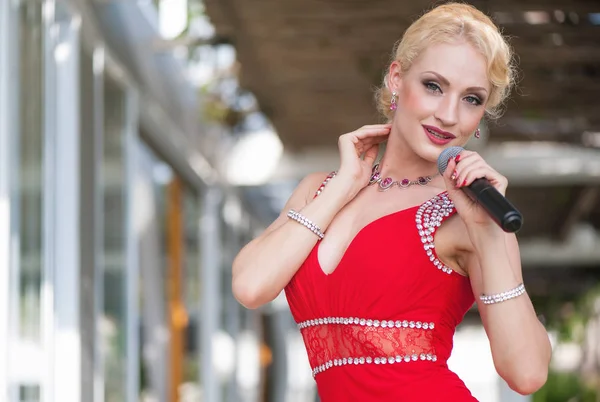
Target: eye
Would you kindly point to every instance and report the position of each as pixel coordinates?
(473, 100)
(432, 87)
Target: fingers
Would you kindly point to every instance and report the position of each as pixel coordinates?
(469, 166)
(371, 154)
(450, 172)
(367, 136)
(465, 164)
(473, 174)
(372, 130)
(366, 132)
(370, 126)
(467, 174)
(357, 142)
(368, 142)
(363, 151)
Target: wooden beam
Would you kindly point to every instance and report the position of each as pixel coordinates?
(550, 5)
(291, 51)
(585, 201)
(556, 55)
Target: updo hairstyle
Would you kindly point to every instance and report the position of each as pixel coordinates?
(451, 23)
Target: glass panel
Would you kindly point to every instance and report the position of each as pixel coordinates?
(152, 216)
(113, 324)
(29, 393)
(31, 88)
(27, 286)
(91, 229)
(229, 320)
(191, 293)
(159, 236)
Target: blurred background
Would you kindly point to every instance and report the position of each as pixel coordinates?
(142, 143)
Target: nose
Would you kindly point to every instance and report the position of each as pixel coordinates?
(447, 111)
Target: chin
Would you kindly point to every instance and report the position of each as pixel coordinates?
(431, 152)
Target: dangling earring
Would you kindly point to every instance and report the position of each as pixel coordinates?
(393, 104)
(477, 133)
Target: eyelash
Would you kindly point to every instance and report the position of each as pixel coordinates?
(433, 87)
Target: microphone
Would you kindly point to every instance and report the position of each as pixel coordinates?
(481, 191)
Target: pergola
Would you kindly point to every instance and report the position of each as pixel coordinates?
(313, 64)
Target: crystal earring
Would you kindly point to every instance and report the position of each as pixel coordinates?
(393, 104)
(477, 133)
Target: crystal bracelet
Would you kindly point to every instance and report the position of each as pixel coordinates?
(298, 217)
(500, 297)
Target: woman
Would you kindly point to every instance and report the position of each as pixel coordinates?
(380, 264)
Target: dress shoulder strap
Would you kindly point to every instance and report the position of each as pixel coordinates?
(430, 216)
(324, 183)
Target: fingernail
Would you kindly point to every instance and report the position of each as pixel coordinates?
(457, 158)
(454, 174)
(464, 183)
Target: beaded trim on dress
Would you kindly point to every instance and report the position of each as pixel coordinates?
(339, 341)
(367, 322)
(430, 216)
(370, 360)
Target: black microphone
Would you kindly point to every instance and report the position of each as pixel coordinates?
(481, 191)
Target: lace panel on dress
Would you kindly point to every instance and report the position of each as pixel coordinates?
(337, 341)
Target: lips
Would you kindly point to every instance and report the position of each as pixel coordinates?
(437, 136)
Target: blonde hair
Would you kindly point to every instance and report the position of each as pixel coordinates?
(447, 23)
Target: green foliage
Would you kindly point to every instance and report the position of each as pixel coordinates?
(565, 387)
(566, 314)
(569, 318)
(216, 110)
(191, 369)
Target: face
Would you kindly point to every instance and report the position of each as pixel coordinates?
(441, 98)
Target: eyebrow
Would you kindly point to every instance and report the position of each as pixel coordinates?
(447, 83)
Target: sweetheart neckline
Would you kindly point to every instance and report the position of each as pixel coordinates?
(357, 235)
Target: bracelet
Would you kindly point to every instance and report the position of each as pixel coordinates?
(298, 217)
(500, 297)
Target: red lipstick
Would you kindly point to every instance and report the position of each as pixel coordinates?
(438, 136)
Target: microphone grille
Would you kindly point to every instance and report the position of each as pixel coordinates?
(446, 154)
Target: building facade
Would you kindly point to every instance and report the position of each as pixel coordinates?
(116, 234)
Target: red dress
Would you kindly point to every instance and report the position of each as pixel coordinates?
(380, 327)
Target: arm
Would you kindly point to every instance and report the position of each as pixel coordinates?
(519, 342)
(265, 265)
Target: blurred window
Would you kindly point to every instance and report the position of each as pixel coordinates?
(113, 323)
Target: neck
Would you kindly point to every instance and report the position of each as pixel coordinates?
(401, 161)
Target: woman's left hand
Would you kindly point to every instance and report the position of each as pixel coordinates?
(462, 171)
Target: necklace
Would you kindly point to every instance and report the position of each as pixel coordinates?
(388, 182)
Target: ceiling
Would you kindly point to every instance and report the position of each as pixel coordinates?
(313, 65)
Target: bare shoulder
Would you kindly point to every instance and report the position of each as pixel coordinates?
(312, 182)
(302, 195)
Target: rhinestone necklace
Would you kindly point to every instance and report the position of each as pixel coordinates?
(388, 182)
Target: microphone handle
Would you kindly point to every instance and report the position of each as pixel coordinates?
(498, 207)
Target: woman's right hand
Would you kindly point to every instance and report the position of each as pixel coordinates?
(358, 151)
(265, 266)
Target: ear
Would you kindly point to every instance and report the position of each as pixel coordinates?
(395, 76)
